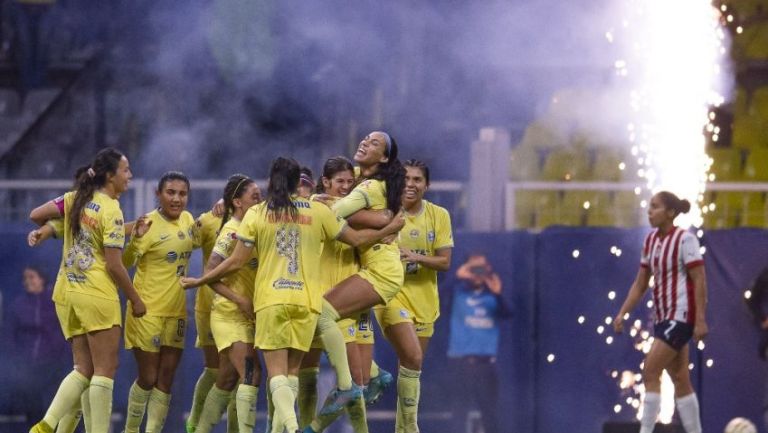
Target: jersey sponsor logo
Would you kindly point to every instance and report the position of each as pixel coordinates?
(93, 206)
(233, 236)
(431, 236)
(351, 331)
(404, 313)
(171, 257)
(414, 234)
(286, 284)
(474, 302)
(117, 235)
(301, 204)
(118, 222)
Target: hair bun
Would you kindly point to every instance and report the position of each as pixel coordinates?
(685, 206)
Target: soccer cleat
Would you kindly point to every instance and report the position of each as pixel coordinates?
(41, 427)
(338, 399)
(377, 386)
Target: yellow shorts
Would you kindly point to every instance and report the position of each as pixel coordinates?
(395, 312)
(364, 331)
(231, 328)
(348, 328)
(88, 313)
(285, 327)
(149, 333)
(203, 325)
(62, 312)
(385, 278)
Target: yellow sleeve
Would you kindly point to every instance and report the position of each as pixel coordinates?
(57, 225)
(356, 200)
(247, 230)
(114, 228)
(135, 249)
(443, 231)
(332, 224)
(225, 243)
(197, 237)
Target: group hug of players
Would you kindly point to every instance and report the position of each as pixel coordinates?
(287, 274)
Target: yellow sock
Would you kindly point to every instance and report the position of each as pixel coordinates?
(357, 418)
(69, 422)
(204, 383)
(408, 390)
(284, 399)
(334, 344)
(374, 369)
(157, 410)
(246, 407)
(85, 404)
(215, 405)
(137, 405)
(307, 398)
(232, 422)
(66, 397)
(100, 396)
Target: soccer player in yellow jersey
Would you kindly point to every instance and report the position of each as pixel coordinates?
(426, 243)
(288, 233)
(338, 262)
(378, 281)
(208, 225)
(161, 256)
(94, 237)
(232, 317)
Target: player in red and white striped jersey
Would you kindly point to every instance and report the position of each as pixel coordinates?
(671, 255)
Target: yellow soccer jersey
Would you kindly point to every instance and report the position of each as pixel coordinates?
(241, 282)
(101, 226)
(424, 233)
(338, 261)
(369, 194)
(208, 226)
(59, 287)
(161, 257)
(289, 252)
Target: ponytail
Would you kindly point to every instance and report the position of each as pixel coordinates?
(392, 173)
(236, 186)
(671, 201)
(283, 180)
(90, 180)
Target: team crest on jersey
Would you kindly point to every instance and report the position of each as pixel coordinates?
(431, 236)
(181, 236)
(351, 331)
(171, 257)
(156, 341)
(118, 222)
(414, 233)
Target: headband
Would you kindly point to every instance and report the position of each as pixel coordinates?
(306, 180)
(237, 188)
(388, 141)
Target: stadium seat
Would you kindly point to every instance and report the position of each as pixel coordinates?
(756, 166)
(606, 166)
(566, 164)
(541, 134)
(728, 209)
(628, 212)
(755, 210)
(726, 165)
(524, 163)
(547, 208)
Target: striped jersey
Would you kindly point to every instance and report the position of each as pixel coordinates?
(669, 258)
